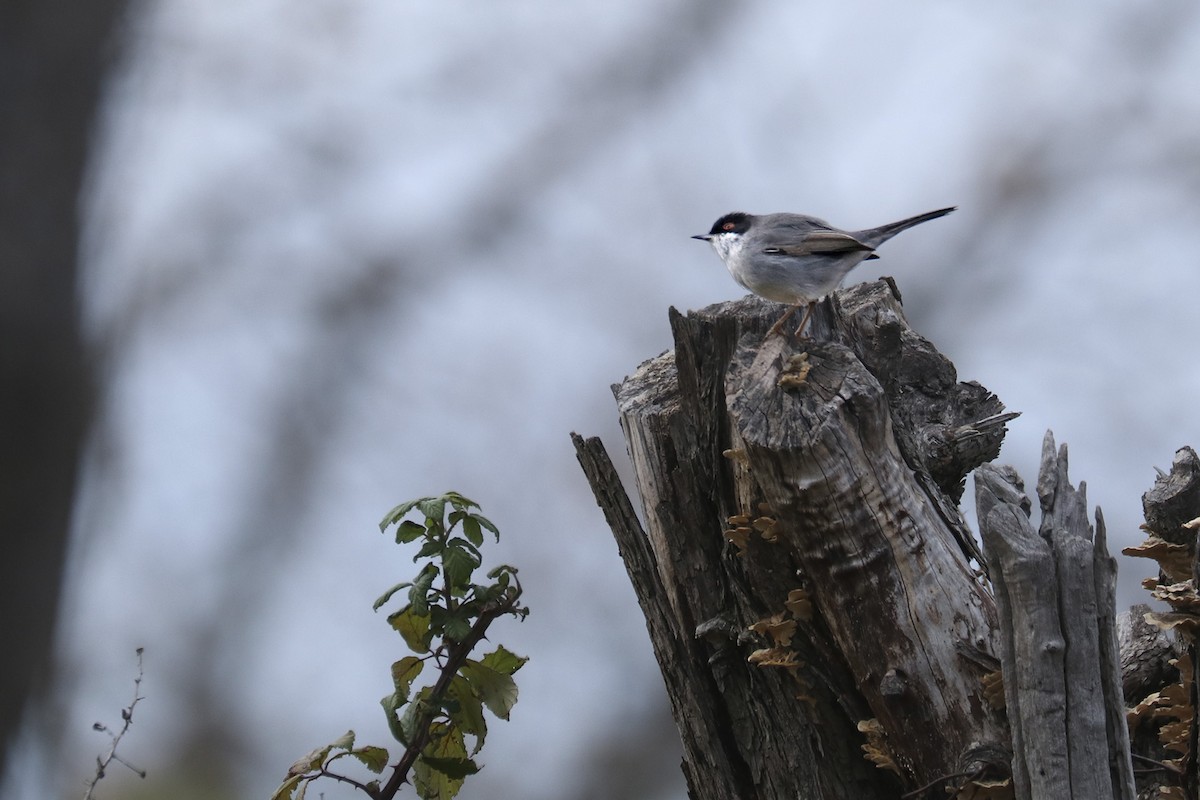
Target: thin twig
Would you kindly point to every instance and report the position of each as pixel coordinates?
(938, 780)
(126, 715)
(1158, 765)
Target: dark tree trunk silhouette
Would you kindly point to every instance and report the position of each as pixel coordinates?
(53, 56)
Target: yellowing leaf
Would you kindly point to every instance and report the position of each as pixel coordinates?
(373, 758)
(287, 788)
(413, 627)
(497, 690)
(432, 782)
(404, 672)
(503, 660)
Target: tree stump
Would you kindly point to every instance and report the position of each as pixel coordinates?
(819, 608)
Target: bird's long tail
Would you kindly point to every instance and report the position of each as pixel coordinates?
(877, 236)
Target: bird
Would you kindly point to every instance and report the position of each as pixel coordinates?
(794, 258)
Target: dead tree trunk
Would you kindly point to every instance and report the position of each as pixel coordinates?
(805, 573)
(1057, 591)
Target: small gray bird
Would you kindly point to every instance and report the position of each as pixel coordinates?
(795, 259)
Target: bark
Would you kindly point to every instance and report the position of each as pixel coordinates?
(1057, 591)
(804, 568)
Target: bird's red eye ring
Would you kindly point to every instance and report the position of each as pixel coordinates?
(728, 226)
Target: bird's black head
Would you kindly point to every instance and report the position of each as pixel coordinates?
(737, 222)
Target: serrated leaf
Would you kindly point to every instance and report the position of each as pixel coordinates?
(383, 598)
(434, 508)
(404, 672)
(452, 767)
(487, 523)
(310, 762)
(398, 513)
(446, 749)
(470, 526)
(432, 547)
(452, 624)
(343, 742)
(458, 501)
(391, 704)
(373, 758)
(412, 714)
(459, 563)
(469, 714)
(418, 593)
(497, 690)
(502, 571)
(287, 788)
(413, 627)
(409, 531)
(503, 660)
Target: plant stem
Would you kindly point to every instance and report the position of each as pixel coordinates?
(458, 655)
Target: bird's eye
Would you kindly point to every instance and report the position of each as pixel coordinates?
(728, 226)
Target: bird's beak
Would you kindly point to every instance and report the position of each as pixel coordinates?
(704, 237)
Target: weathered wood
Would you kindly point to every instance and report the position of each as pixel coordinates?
(1116, 726)
(702, 723)
(887, 575)
(839, 486)
(1056, 593)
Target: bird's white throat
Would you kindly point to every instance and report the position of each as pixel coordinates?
(728, 245)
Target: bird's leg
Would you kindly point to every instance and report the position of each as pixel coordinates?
(778, 326)
(807, 313)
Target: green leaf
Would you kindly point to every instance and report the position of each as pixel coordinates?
(459, 563)
(487, 523)
(460, 502)
(413, 627)
(285, 790)
(373, 758)
(497, 690)
(398, 513)
(412, 715)
(303, 790)
(503, 572)
(434, 508)
(418, 594)
(445, 754)
(404, 672)
(432, 547)
(452, 767)
(471, 530)
(391, 704)
(454, 625)
(343, 742)
(503, 660)
(469, 714)
(409, 531)
(383, 598)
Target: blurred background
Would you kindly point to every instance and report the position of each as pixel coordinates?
(339, 254)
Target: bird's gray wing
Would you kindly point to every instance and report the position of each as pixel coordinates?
(814, 242)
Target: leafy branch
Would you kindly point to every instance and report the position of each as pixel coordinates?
(445, 617)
